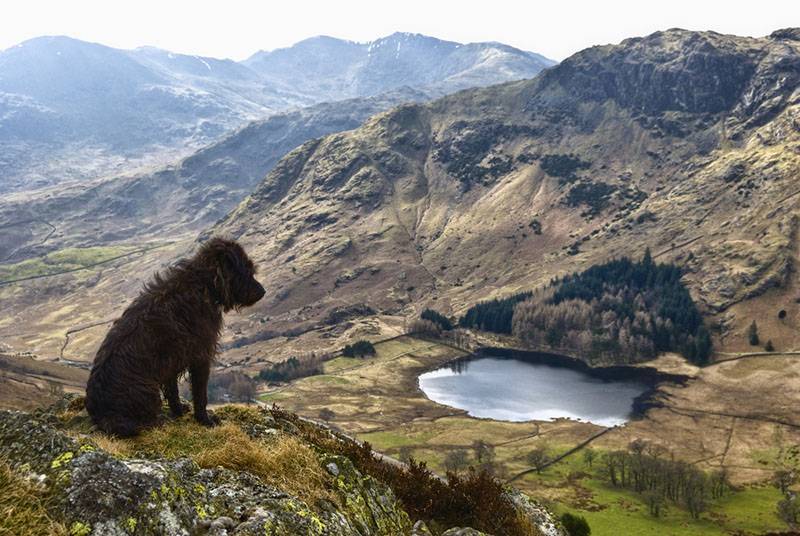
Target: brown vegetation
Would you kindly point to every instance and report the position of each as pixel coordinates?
(23, 507)
(475, 499)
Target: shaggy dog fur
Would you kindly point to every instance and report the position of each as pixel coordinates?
(172, 327)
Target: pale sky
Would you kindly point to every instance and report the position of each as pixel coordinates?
(237, 28)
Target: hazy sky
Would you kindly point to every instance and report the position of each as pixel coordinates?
(237, 28)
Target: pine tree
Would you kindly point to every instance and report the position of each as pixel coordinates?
(752, 334)
(647, 260)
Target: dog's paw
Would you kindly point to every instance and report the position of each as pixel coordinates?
(176, 412)
(208, 420)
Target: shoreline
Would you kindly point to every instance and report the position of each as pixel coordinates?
(649, 376)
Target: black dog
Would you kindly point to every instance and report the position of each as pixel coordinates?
(172, 327)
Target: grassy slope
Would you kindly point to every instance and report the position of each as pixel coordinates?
(61, 261)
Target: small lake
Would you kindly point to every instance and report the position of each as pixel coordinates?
(508, 389)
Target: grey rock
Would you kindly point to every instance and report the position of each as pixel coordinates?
(333, 469)
(158, 496)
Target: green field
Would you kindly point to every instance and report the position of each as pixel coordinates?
(749, 510)
(61, 261)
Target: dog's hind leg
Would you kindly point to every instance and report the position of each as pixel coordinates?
(170, 389)
(120, 426)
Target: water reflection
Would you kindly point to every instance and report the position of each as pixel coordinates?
(514, 390)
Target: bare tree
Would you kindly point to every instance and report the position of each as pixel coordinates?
(538, 458)
(456, 460)
(327, 414)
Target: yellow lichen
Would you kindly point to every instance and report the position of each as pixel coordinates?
(62, 460)
(80, 529)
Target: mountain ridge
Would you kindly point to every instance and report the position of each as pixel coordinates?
(361, 66)
(71, 109)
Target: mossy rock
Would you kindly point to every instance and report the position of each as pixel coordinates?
(254, 474)
(97, 492)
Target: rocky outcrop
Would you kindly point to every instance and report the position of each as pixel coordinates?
(100, 492)
(674, 70)
(103, 494)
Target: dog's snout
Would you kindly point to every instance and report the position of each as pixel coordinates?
(260, 292)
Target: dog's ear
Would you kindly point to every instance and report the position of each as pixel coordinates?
(224, 274)
(231, 271)
(222, 286)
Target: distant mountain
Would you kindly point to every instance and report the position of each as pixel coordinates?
(326, 68)
(75, 110)
(183, 196)
(67, 104)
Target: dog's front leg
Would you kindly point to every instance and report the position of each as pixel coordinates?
(170, 389)
(198, 375)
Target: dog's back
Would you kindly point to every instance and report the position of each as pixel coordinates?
(121, 398)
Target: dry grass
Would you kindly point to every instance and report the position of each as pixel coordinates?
(283, 461)
(23, 507)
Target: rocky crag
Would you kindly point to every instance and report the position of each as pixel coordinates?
(270, 480)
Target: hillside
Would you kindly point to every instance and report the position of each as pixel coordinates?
(178, 198)
(681, 141)
(688, 147)
(73, 110)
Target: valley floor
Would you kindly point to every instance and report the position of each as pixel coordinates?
(736, 414)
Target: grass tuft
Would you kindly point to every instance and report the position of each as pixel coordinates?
(23, 507)
(282, 461)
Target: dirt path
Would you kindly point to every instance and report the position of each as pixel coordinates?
(728, 442)
(677, 246)
(70, 331)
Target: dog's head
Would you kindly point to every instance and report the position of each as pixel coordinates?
(233, 273)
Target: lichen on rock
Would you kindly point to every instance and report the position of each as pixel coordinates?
(102, 493)
(255, 474)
